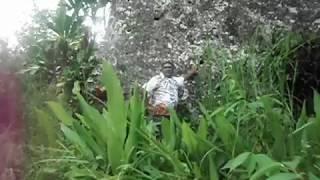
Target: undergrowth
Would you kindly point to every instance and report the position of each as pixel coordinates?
(247, 128)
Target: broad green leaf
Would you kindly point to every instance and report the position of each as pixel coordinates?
(74, 137)
(251, 165)
(236, 162)
(117, 117)
(136, 117)
(60, 19)
(284, 176)
(115, 104)
(168, 135)
(263, 160)
(47, 124)
(203, 129)
(93, 119)
(61, 113)
(294, 163)
(225, 131)
(266, 169)
(189, 138)
(175, 128)
(213, 171)
(89, 140)
(174, 117)
(165, 152)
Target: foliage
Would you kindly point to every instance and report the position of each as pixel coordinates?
(62, 48)
(249, 134)
(247, 129)
(58, 49)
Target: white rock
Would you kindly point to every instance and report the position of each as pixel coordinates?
(317, 21)
(293, 10)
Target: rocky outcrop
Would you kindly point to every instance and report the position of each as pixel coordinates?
(142, 33)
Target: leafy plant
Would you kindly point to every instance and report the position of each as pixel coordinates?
(63, 49)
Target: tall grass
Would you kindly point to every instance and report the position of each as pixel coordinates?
(247, 129)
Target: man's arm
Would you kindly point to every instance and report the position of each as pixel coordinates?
(152, 84)
(191, 73)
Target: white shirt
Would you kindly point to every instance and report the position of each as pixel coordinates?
(164, 90)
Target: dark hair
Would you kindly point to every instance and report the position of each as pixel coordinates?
(168, 62)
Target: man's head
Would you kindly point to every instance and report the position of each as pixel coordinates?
(167, 68)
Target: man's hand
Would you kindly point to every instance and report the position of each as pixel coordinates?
(194, 70)
(191, 73)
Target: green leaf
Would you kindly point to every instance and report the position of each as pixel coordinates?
(312, 176)
(47, 124)
(294, 163)
(89, 140)
(116, 104)
(303, 117)
(305, 126)
(136, 117)
(236, 162)
(251, 164)
(117, 118)
(263, 160)
(204, 111)
(74, 137)
(213, 171)
(203, 129)
(266, 169)
(60, 113)
(93, 120)
(225, 131)
(168, 134)
(76, 172)
(60, 19)
(174, 117)
(189, 138)
(316, 102)
(284, 176)
(275, 119)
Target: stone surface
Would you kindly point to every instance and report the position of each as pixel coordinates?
(143, 33)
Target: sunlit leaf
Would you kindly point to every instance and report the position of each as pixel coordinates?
(61, 113)
(236, 162)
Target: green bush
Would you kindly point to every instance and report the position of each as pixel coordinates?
(60, 49)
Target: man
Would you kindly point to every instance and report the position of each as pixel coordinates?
(163, 89)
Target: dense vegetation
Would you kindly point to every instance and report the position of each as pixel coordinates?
(247, 128)
(258, 109)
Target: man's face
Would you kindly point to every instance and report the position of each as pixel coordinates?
(167, 70)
